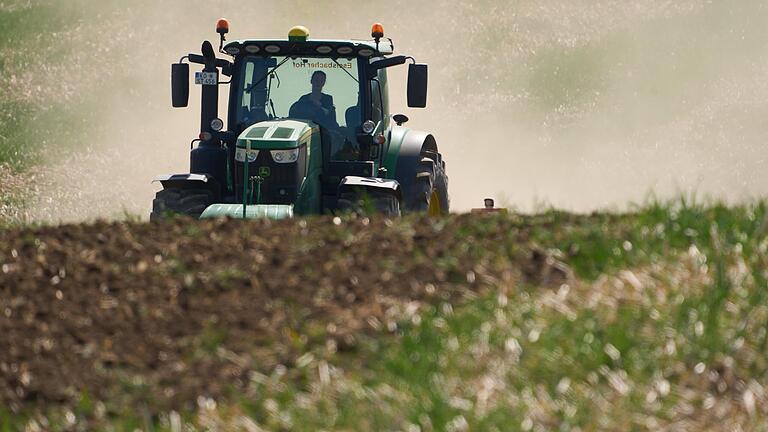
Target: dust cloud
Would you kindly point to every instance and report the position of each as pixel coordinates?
(580, 105)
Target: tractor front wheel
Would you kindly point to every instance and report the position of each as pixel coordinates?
(187, 202)
(431, 195)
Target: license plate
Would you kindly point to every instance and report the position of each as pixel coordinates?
(206, 78)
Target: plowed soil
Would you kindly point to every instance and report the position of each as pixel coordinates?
(163, 313)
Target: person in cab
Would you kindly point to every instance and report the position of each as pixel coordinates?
(316, 106)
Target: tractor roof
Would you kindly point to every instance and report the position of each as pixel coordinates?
(321, 48)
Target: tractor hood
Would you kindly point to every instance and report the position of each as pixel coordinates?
(276, 135)
(271, 179)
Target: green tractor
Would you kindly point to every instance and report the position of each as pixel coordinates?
(309, 131)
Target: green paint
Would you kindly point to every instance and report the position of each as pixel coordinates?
(393, 149)
(259, 180)
(229, 171)
(309, 200)
(246, 164)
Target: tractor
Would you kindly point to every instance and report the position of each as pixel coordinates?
(309, 131)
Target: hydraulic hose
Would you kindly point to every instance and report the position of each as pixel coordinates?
(245, 175)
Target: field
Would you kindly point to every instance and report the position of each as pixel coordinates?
(649, 320)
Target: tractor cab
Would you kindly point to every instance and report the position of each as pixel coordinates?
(308, 125)
(319, 89)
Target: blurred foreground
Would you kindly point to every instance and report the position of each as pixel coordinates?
(653, 320)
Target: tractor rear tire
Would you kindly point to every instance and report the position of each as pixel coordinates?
(431, 194)
(372, 201)
(186, 202)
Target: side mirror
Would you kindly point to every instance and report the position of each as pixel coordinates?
(417, 86)
(180, 84)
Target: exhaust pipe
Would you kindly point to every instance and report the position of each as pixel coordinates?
(210, 95)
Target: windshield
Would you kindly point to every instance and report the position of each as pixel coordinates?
(322, 90)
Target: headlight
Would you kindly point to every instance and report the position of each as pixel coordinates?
(240, 155)
(285, 156)
(217, 124)
(368, 126)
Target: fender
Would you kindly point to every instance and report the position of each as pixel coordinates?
(403, 156)
(351, 183)
(189, 181)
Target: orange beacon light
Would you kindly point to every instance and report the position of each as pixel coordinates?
(377, 31)
(222, 26)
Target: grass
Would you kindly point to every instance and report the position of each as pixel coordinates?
(18, 139)
(669, 343)
(31, 130)
(663, 326)
(43, 111)
(43, 116)
(12, 201)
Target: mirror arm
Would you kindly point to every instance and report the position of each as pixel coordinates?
(199, 59)
(226, 67)
(223, 63)
(388, 62)
(196, 58)
(385, 63)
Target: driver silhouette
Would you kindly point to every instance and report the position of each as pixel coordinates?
(316, 105)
